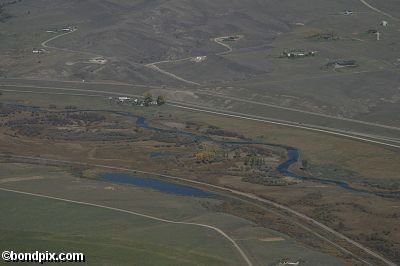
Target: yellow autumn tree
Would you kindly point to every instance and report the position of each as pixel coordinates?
(207, 153)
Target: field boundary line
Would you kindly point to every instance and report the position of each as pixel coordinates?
(233, 242)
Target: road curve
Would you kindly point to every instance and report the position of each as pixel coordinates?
(219, 231)
(156, 68)
(220, 188)
(218, 40)
(45, 45)
(364, 2)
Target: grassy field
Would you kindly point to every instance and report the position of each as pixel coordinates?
(106, 237)
(110, 237)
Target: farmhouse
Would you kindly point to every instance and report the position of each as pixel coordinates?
(199, 59)
(69, 28)
(98, 60)
(38, 51)
(348, 12)
(342, 64)
(298, 53)
(124, 99)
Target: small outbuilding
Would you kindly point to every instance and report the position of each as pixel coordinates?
(124, 99)
(298, 53)
(38, 51)
(348, 12)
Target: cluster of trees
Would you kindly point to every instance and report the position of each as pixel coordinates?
(254, 161)
(207, 153)
(304, 164)
(148, 99)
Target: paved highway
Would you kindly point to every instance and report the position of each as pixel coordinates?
(381, 140)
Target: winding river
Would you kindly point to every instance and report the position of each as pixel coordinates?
(293, 156)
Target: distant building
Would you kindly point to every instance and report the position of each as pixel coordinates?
(38, 51)
(199, 59)
(124, 99)
(286, 262)
(298, 53)
(98, 60)
(342, 64)
(69, 28)
(348, 12)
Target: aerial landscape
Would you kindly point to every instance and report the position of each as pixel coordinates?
(166, 132)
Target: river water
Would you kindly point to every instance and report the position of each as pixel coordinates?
(159, 185)
(283, 168)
